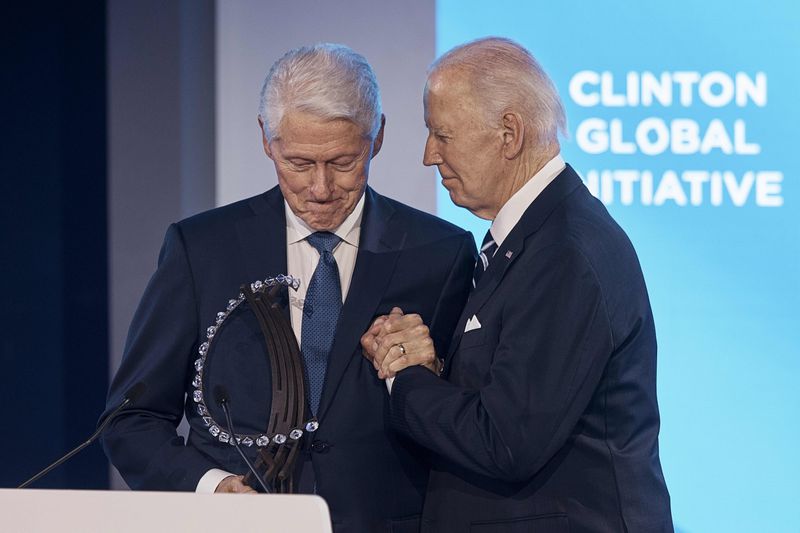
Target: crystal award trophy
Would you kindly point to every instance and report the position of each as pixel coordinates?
(252, 350)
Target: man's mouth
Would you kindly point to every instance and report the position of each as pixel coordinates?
(322, 203)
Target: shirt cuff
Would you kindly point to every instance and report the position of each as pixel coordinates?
(389, 382)
(210, 481)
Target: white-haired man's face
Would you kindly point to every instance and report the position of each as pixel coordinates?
(322, 166)
(467, 152)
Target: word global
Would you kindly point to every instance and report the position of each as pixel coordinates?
(654, 136)
(690, 187)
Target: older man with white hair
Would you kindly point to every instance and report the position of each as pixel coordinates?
(545, 415)
(356, 254)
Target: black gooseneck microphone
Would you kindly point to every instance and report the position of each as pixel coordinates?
(222, 399)
(131, 396)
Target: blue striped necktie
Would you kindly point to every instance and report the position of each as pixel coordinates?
(321, 309)
(488, 249)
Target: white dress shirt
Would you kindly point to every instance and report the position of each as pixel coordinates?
(301, 261)
(515, 207)
(302, 258)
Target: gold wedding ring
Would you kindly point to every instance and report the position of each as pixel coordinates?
(402, 348)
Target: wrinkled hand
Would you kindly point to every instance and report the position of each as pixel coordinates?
(234, 484)
(381, 343)
(371, 339)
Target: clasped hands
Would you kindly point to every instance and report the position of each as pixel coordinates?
(396, 341)
(393, 342)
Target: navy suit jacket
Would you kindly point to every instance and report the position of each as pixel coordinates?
(371, 478)
(547, 420)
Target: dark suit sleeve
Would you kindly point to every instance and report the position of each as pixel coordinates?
(554, 340)
(453, 296)
(142, 442)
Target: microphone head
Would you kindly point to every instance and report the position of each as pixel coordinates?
(135, 392)
(220, 395)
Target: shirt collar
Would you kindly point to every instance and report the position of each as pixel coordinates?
(349, 230)
(515, 207)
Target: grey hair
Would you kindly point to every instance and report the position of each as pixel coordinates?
(328, 80)
(505, 76)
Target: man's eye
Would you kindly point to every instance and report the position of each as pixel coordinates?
(344, 166)
(300, 165)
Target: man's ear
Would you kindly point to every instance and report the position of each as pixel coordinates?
(378, 142)
(513, 134)
(264, 141)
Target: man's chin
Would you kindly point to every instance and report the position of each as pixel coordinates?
(460, 201)
(326, 216)
(456, 198)
(324, 222)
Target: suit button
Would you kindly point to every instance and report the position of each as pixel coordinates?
(319, 446)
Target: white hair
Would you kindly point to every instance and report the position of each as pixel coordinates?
(505, 76)
(330, 81)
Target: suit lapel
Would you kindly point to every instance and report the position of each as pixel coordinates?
(512, 247)
(262, 239)
(380, 243)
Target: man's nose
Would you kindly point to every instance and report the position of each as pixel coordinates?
(431, 155)
(321, 182)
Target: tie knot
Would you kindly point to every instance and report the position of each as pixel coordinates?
(323, 241)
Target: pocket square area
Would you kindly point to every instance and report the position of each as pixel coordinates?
(472, 323)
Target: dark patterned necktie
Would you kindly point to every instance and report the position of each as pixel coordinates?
(488, 248)
(320, 314)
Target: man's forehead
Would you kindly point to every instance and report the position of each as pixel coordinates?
(452, 80)
(303, 119)
(304, 127)
(448, 95)
(450, 91)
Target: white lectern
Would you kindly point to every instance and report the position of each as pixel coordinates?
(89, 511)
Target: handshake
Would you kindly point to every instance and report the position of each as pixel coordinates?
(396, 341)
(393, 342)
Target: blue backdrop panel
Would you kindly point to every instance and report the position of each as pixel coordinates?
(682, 119)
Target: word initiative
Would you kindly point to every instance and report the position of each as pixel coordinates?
(661, 122)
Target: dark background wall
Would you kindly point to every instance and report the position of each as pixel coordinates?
(53, 345)
(160, 140)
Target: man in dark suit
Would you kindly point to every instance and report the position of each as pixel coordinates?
(356, 253)
(544, 417)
